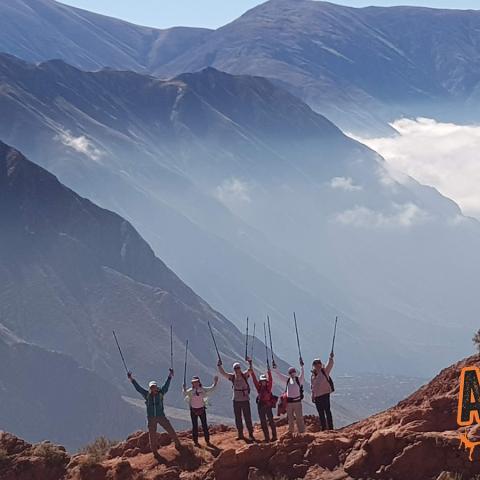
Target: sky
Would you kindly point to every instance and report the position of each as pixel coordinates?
(215, 13)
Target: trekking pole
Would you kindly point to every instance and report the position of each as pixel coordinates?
(246, 342)
(214, 342)
(171, 347)
(334, 334)
(253, 341)
(266, 344)
(185, 366)
(298, 338)
(120, 350)
(274, 365)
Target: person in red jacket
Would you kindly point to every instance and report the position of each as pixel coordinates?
(265, 402)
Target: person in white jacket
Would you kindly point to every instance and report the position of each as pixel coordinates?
(294, 391)
(321, 391)
(196, 397)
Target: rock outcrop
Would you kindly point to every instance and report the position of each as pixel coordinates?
(416, 440)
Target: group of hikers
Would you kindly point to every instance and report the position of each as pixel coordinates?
(290, 401)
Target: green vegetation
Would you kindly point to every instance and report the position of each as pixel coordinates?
(476, 340)
(98, 449)
(52, 454)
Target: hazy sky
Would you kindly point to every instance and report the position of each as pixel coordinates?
(214, 13)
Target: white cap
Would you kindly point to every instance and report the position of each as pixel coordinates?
(236, 365)
(263, 378)
(152, 384)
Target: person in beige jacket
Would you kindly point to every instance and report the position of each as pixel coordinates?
(321, 391)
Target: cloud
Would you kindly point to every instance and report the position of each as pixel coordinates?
(442, 155)
(402, 216)
(344, 183)
(80, 144)
(233, 191)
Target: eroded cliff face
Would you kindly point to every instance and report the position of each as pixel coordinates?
(417, 440)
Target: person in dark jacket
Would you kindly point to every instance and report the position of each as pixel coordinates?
(265, 402)
(155, 411)
(241, 398)
(321, 391)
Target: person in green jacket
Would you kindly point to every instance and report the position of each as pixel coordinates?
(155, 411)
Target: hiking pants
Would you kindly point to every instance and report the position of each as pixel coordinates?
(323, 407)
(295, 415)
(152, 431)
(239, 409)
(266, 418)
(203, 420)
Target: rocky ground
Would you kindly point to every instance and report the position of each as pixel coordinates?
(416, 440)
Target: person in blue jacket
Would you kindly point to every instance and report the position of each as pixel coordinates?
(156, 412)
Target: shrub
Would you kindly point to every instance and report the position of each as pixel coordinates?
(3, 456)
(52, 454)
(98, 449)
(476, 340)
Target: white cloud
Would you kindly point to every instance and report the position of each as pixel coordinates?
(443, 155)
(344, 183)
(402, 216)
(233, 191)
(80, 144)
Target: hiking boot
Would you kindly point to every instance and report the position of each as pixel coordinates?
(156, 455)
(196, 443)
(179, 447)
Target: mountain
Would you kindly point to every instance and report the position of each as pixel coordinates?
(261, 205)
(47, 395)
(71, 273)
(361, 67)
(38, 30)
(417, 439)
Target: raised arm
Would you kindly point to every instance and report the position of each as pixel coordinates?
(212, 387)
(223, 373)
(166, 385)
(329, 366)
(270, 379)
(301, 378)
(254, 378)
(137, 387)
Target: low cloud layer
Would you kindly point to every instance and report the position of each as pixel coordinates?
(80, 144)
(344, 183)
(443, 155)
(401, 216)
(233, 191)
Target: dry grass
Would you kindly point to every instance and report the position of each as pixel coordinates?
(51, 453)
(98, 449)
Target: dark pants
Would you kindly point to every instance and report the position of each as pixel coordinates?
(203, 419)
(152, 431)
(266, 418)
(243, 409)
(323, 407)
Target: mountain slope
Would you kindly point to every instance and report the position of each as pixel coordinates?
(38, 30)
(72, 272)
(234, 180)
(417, 439)
(47, 395)
(361, 67)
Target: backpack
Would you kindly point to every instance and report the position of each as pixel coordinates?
(298, 383)
(329, 380)
(245, 379)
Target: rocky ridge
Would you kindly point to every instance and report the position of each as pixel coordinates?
(417, 439)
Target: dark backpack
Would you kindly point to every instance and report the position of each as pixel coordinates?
(329, 380)
(302, 396)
